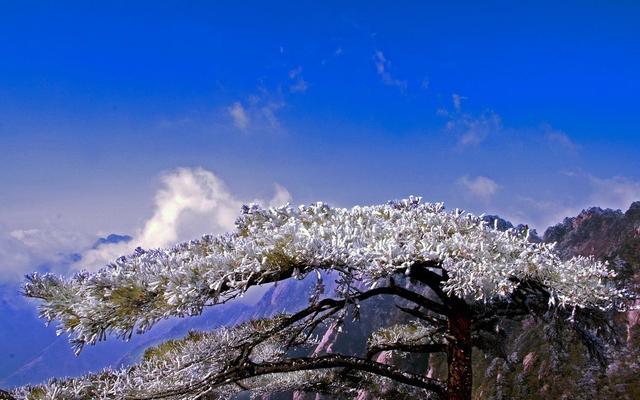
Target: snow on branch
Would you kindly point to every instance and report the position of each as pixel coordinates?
(415, 336)
(363, 244)
(251, 356)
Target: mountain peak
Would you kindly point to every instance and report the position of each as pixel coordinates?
(112, 238)
(633, 211)
(595, 231)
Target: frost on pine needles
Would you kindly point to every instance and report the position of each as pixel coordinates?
(366, 246)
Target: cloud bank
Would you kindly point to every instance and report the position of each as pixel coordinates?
(616, 193)
(192, 202)
(48, 247)
(480, 187)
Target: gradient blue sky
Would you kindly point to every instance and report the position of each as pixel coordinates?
(526, 110)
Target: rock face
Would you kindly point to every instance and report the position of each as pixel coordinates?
(535, 368)
(609, 235)
(603, 233)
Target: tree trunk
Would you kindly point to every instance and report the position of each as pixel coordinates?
(459, 377)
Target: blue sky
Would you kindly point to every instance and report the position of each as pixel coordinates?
(526, 110)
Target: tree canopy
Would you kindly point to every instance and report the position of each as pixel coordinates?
(454, 276)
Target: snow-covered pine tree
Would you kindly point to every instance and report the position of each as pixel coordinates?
(456, 278)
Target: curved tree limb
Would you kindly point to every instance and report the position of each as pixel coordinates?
(406, 347)
(249, 370)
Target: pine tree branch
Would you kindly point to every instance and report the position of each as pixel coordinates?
(249, 370)
(406, 347)
(6, 395)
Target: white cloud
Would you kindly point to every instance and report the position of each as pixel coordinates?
(538, 213)
(24, 250)
(473, 130)
(382, 67)
(617, 192)
(196, 190)
(457, 101)
(559, 138)
(259, 112)
(239, 115)
(268, 112)
(192, 202)
(614, 193)
(481, 187)
(281, 197)
(295, 72)
(299, 85)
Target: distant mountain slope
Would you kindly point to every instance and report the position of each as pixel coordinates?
(22, 334)
(112, 238)
(36, 353)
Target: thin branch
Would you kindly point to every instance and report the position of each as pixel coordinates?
(250, 370)
(406, 347)
(423, 316)
(422, 273)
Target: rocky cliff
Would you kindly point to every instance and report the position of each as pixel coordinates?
(537, 366)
